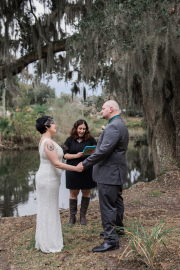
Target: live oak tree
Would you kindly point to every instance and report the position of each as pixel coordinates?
(130, 45)
(35, 38)
(26, 38)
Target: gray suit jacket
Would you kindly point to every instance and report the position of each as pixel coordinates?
(109, 157)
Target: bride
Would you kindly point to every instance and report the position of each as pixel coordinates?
(48, 225)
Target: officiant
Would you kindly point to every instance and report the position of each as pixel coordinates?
(73, 153)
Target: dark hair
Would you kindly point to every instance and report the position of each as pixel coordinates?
(74, 133)
(40, 124)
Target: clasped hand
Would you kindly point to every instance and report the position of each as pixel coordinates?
(80, 167)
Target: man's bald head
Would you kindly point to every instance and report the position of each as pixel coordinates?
(110, 109)
(113, 104)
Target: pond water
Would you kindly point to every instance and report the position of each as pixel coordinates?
(17, 179)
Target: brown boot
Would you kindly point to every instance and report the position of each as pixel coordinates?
(83, 210)
(73, 211)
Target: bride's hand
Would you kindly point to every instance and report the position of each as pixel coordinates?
(80, 167)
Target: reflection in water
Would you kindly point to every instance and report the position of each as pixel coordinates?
(17, 179)
(139, 165)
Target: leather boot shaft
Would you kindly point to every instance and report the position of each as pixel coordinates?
(84, 206)
(73, 211)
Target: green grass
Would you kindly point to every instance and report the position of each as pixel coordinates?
(135, 201)
(31, 243)
(77, 240)
(133, 124)
(162, 172)
(155, 193)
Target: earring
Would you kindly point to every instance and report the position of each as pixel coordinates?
(48, 129)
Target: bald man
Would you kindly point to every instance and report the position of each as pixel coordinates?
(109, 172)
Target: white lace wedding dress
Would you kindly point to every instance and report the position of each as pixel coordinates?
(48, 225)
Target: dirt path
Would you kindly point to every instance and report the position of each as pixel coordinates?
(148, 202)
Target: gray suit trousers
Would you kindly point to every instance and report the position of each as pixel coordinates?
(112, 209)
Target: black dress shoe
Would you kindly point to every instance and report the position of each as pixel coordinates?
(119, 233)
(106, 247)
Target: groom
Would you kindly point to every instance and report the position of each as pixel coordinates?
(110, 174)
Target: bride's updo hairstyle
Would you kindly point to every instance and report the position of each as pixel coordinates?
(42, 123)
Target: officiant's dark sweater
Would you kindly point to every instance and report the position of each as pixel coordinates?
(76, 180)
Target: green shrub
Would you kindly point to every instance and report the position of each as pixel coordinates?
(40, 109)
(141, 140)
(21, 123)
(133, 124)
(3, 123)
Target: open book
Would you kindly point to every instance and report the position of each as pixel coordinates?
(88, 150)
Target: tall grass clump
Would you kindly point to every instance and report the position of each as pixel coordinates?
(145, 245)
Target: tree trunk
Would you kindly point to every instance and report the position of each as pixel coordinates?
(152, 77)
(4, 101)
(83, 109)
(35, 94)
(161, 105)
